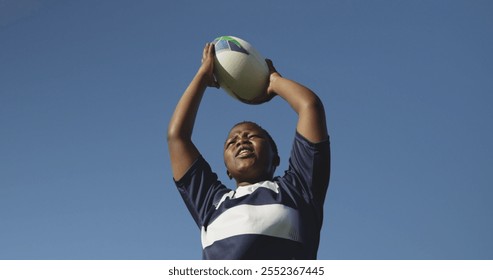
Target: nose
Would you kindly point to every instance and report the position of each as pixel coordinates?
(242, 140)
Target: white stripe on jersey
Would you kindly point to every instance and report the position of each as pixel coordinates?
(246, 190)
(275, 220)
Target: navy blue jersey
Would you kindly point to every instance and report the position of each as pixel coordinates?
(278, 219)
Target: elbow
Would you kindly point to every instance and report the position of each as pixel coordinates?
(177, 132)
(313, 104)
(174, 133)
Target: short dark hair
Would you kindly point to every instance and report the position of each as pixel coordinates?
(271, 140)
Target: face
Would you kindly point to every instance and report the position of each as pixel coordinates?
(248, 154)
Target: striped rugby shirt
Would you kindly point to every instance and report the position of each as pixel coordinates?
(278, 219)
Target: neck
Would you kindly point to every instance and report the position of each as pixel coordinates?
(247, 182)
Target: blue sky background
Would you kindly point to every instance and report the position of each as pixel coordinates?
(87, 89)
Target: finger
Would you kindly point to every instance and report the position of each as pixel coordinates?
(210, 49)
(215, 83)
(270, 65)
(205, 51)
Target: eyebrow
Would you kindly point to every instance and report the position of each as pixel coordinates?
(234, 134)
(229, 139)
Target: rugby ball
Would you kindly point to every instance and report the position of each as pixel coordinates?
(240, 70)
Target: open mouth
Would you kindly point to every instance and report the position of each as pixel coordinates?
(244, 151)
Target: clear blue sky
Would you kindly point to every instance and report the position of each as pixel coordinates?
(87, 89)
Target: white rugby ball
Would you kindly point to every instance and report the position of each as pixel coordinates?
(239, 69)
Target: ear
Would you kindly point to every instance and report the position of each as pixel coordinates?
(276, 161)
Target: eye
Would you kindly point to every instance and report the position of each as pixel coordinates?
(230, 142)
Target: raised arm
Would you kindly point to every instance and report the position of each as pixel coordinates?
(311, 114)
(181, 148)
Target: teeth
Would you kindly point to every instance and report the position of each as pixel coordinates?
(244, 151)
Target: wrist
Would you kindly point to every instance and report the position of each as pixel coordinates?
(274, 79)
(202, 76)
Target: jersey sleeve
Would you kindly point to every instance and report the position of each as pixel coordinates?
(309, 166)
(200, 190)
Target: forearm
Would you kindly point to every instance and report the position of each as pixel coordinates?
(182, 151)
(311, 114)
(297, 95)
(183, 119)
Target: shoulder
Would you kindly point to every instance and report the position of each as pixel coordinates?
(301, 141)
(199, 167)
(309, 168)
